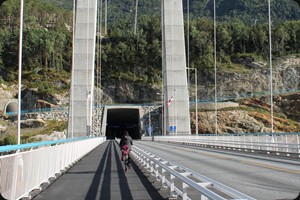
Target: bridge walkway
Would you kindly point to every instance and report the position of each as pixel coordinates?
(101, 175)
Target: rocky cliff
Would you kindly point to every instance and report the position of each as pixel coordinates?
(247, 89)
(251, 80)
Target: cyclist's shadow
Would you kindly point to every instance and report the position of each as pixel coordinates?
(123, 182)
(134, 172)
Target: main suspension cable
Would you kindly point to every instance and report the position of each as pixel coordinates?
(271, 67)
(215, 67)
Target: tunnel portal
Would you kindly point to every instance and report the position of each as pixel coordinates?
(121, 119)
(11, 107)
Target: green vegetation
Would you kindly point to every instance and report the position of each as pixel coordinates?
(242, 32)
(47, 44)
(10, 136)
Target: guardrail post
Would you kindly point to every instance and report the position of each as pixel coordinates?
(157, 178)
(203, 197)
(184, 191)
(151, 163)
(298, 144)
(272, 143)
(148, 164)
(173, 194)
(286, 144)
(164, 184)
(144, 161)
(251, 139)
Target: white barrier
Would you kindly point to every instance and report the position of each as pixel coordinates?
(22, 172)
(206, 187)
(279, 143)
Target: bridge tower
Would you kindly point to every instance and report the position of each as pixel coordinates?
(175, 89)
(82, 82)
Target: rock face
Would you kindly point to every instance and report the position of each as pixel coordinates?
(254, 80)
(132, 92)
(230, 85)
(286, 77)
(289, 105)
(33, 123)
(2, 129)
(253, 116)
(53, 136)
(230, 122)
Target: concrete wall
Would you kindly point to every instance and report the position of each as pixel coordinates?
(174, 68)
(80, 107)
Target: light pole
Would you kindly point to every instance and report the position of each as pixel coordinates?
(20, 69)
(135, 17)
(149, 129)
(163, 115)
(196, 97)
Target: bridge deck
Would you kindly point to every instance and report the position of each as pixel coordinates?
(101, 175)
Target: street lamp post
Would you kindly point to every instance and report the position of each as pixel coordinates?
(20, 69)
(164, 115)
(149, 128)
(135, 17)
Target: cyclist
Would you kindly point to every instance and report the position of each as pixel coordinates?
(125, 144)
(126, 140)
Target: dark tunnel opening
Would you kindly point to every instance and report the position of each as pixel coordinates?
(121, 119)
(11, 107)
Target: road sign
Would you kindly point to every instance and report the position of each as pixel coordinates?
(172, 129)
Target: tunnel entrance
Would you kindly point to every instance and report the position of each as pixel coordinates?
(121, 119)
(11, 107)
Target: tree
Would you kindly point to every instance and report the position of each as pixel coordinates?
(10, 139)
(1, 2)
(298, 2)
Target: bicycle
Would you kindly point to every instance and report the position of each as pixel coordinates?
(126, 157)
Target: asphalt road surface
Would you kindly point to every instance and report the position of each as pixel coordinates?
(260, 177)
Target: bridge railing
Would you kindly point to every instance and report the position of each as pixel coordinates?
(27, 166)
(170, 173)
(279, 144)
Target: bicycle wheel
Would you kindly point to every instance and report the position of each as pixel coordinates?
(126, 162)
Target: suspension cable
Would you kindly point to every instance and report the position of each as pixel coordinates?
(72, 71)
(188, 34)
(215, 66)
(271, 73)
(87, 69)
(100, 64)
(172, 71)
(163, 74)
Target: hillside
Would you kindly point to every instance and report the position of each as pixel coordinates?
(131, 64)
(248, 11)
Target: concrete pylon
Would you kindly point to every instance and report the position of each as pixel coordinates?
(177, 117)
(82, 82)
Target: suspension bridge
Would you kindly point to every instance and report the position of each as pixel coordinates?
(173, 165)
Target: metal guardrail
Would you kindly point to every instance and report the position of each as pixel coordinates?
(23, 172)
(39, 110)
(279, 144)
(168, 172)
(30, 146)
